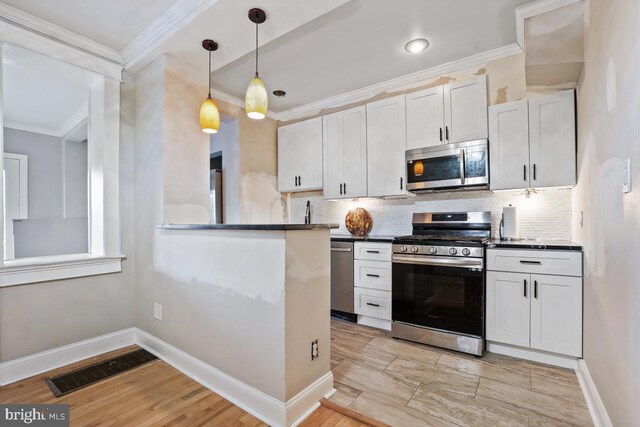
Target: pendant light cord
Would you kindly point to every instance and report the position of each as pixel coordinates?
(209, 74)
(256, 49)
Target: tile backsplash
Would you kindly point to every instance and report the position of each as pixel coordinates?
(545, 214)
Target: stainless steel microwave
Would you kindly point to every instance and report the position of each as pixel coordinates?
(464, 165)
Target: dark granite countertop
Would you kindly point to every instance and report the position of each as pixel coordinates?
(559, 245)
(370, 238)
(265, 227)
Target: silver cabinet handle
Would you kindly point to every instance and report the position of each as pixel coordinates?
(373, 252)
(340, 249)
(373, 305)
(535, 289)
(524, 172)
(524, 261)
(525, 288)
(534, 172)
(373, 275)
(462, 166)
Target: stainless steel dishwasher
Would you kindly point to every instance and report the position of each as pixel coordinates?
(342, 279)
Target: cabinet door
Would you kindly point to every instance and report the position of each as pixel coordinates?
(333, 152)
(386, 142)
(509, 145)
(508, 296)
(287, 154)
(465, 110)
(556, 314)
(309, 154)
(354, 155)
(552, 135)
(425, 118)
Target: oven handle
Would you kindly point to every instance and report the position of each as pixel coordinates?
(462, 166)
(438, 261)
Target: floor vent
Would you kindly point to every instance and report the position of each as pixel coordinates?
(83, 377)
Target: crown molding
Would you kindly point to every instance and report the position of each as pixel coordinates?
(405, 82)
(46, 29)
(170, 22)
(74, 120)
(27, 127)
(534, 8)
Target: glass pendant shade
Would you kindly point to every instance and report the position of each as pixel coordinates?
(209, 116)
(256, 101)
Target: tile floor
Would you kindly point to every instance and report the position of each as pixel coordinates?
(406, 384)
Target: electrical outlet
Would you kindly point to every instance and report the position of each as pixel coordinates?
(157, 311)
(314, 350)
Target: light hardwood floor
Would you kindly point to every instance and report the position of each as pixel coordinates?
(405, 384)
(154, 394)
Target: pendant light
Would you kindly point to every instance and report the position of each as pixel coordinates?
(256, 101)
(209, 114)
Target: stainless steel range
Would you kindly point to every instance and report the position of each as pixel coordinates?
(438, 283)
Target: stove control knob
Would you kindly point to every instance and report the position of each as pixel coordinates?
(433, 250)
(453, 251)
(403, 248)
(414, 249)
(466, 252)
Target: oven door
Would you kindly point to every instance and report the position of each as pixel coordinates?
(448, 166)
(445, 294)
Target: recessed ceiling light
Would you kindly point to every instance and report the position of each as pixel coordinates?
(279, 93)
(416, 45)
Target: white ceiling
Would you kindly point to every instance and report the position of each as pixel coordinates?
(361, 43)
(113, 23)
(41, 93)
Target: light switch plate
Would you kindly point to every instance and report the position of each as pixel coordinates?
(157, 311)
(626, 176)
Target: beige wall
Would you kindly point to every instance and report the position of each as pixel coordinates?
(505, 78)
(608, 133)
(43, 316)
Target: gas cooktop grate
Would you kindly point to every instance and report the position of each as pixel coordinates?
(83, 377)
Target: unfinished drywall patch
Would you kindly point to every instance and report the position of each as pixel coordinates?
(501, 96)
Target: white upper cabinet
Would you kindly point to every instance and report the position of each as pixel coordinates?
(345, 154)
(300, 156)
(455, 112)
(425, 118)
(552, 134)
(465, 110)
(533, 142)
(386, 144)
(509, 145)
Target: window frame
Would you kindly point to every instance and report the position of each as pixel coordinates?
(103, 151)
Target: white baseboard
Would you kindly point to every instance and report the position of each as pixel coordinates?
(28, 366)
(598, 412)
(374, 322)
(533, 355)
(259, 404)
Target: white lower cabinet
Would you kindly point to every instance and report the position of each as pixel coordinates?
(508, 308)
(372, 284)
(534, 311)
(556, 314)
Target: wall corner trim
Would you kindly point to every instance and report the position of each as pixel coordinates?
(598, 411)
(28, 366)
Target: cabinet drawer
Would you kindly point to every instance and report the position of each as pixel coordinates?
(373, 251)
(373, 303)
(561, 263)
(372, 274)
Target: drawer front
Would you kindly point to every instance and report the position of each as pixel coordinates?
(373, 303)
(534, 261)
(372, 274)
(373, 251)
